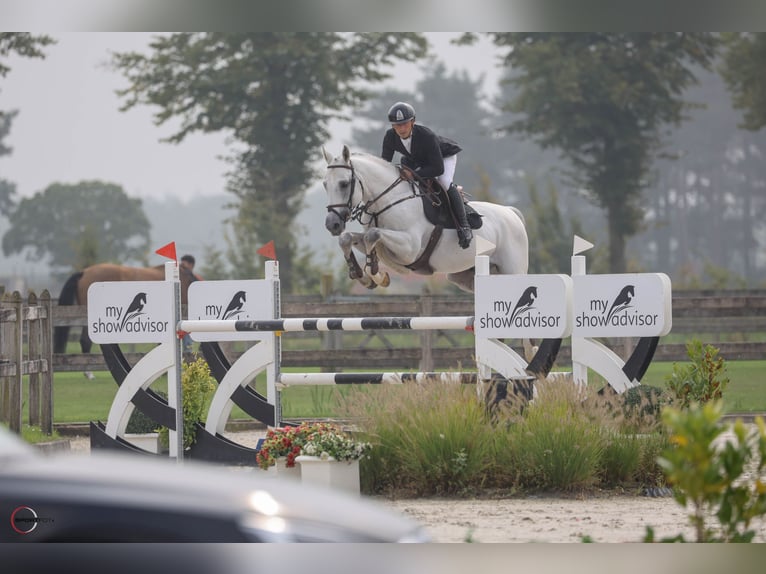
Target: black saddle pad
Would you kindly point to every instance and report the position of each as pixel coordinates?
(437, 211)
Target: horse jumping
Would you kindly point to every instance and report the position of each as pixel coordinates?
(369, 190)
(75, 292)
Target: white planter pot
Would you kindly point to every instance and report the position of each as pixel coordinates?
(149, 441)
(330, 473)
(281, 470)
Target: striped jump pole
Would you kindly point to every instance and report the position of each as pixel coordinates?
(330, 324)
(290, 379)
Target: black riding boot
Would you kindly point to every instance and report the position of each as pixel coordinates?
(464, 233)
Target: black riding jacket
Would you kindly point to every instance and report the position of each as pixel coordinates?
(428, 150)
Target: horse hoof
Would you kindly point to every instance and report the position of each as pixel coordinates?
(386, 281)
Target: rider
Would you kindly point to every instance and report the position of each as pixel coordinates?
(428, 156)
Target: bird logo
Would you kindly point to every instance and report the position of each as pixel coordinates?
(134, 309)
(622, 301)
(235, 305)
(525, 302)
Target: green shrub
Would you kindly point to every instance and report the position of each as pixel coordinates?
(197, 384)
(701, 381)
(708, 476)
(620, 459)
(439, 439)
(140, 423)
(557, 444)
(429, 438)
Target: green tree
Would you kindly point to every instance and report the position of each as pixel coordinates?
(743, 65)
(7, 188)
(550, 234)
(275, 93)
(62, 221)
(29, 46)
(604, 100)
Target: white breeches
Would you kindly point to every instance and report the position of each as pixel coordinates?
(445, 179)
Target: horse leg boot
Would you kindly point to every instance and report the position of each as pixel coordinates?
(464, 233)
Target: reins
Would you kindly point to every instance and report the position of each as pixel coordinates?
(355, 213)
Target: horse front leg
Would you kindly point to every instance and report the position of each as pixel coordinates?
(347, 241)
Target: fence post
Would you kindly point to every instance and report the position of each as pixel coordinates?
(427, 336)
(33, 352)
(6, 336)
(14, 421)
(46, 355)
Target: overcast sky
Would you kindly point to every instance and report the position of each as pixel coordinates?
(69, 128)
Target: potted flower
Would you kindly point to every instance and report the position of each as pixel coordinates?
(282, 445)
(330, 457)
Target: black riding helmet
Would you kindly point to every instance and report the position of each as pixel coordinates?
(401, 112)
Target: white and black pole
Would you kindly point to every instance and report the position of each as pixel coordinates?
(175, 390)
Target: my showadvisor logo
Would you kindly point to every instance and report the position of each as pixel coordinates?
(523, 314)
(24, 519)
(132, 318)
(135, 309)
(525, 302)
(623, 312)
(234, 307)
(622, 301)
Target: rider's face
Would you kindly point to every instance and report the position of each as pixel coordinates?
(403, 130)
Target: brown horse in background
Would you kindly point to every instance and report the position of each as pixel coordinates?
(75, 292)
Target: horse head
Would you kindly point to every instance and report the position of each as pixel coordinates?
(339, 183)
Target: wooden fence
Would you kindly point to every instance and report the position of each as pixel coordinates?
(26, 350)
(733, 321)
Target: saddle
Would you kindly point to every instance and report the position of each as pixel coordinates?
(436, 207)
(437, 211)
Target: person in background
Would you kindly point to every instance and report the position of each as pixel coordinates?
(187, 263)
(427, 155)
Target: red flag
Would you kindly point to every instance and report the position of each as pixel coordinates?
(168, 251)
(268, 250)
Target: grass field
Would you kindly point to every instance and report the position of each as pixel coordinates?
(79, 399)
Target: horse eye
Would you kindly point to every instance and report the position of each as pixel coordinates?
(343, 184)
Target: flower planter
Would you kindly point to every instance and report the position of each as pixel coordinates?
(337, 474)
(281, 470)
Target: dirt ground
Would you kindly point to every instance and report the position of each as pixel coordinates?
(618, 518)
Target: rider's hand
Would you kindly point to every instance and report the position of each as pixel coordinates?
(407, 173)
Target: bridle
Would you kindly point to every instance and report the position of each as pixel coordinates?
(355, 213)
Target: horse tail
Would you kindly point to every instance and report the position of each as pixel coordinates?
(68, 296)
(517, 211)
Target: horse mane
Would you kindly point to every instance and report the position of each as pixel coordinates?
(373, 158)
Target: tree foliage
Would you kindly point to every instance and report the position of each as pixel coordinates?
(604, 100)
(275, 93)
(29, 46)
(63, 221)
(23, 44)
(743, 68)
(7, 188)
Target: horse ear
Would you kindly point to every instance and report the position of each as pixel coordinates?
(327, 156)
(346, 154)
